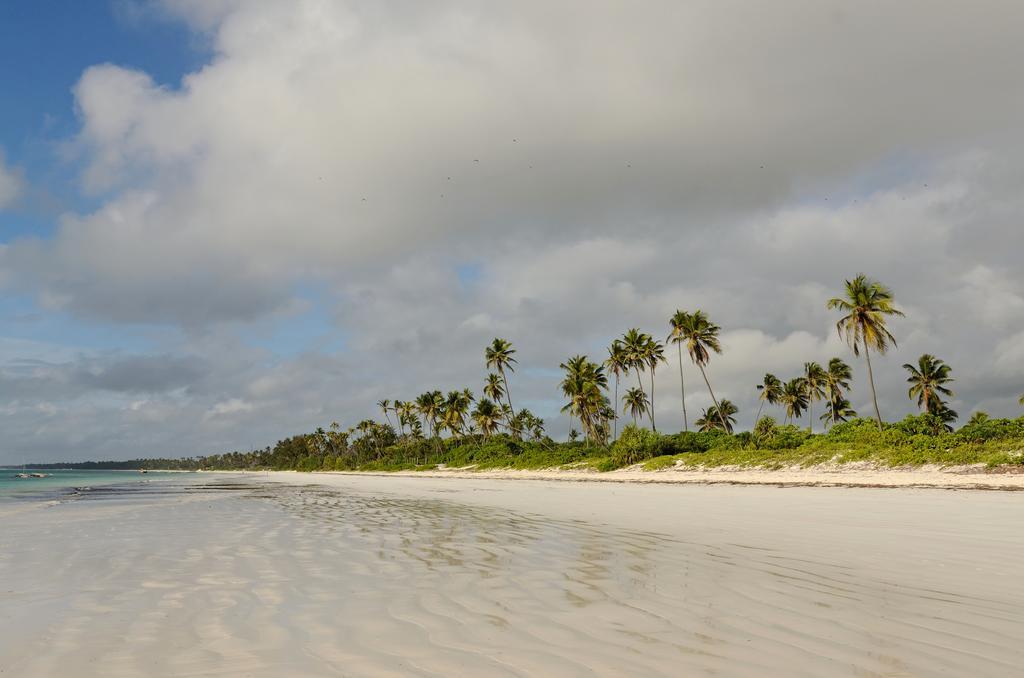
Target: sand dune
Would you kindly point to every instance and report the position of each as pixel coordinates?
(366, 576)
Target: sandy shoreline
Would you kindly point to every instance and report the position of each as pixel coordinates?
(849, 475)
(307, 575)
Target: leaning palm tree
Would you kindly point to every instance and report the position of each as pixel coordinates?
(635, 402)
(701, 337)
(487, 416)
(677, 321)
(837, 380)
(794, 398)
(867, 303)
(654, 353)
(618, 364)
(770, 392)
(499, 356)
(584, 385)
(714, 418)
(815, 380)
(928, 382)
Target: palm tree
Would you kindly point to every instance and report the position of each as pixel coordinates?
(456, 407)
(635, 344)
(713, 417)
(385, 405)
(794, 398)
(701, 336)
(654, 352)
(635, 402)
(618, 364)
(837, 409)
(584, 385)
(815, 380)
(676, 337)
(487, 416)
(493, 387)
(837, 380)
(770, 392)
(430, 405)
(927, 381)
(978, 418)
(867, 303)
(499, 356)
(1020, 401)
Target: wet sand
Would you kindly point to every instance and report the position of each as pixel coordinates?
(313, 575)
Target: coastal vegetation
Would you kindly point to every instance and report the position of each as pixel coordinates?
(458, 429)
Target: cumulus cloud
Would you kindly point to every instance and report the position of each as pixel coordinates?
(597, 171)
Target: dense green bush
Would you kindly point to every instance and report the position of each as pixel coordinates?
(636, 444)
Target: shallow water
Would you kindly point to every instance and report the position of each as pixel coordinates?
(241, 576)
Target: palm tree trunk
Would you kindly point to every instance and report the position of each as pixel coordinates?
(871, 380)
(810, 415)
(653, 427)
(721, 415)
(508, 396)
(615, 408)
(758, 417)
(682, 386)
(640, 383)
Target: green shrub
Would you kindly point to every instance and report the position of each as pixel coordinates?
(635, 444)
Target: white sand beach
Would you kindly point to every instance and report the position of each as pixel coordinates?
(321, 574)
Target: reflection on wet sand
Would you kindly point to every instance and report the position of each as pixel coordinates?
(242, 577)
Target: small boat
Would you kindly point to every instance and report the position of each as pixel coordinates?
(21, 475)
(38, 475)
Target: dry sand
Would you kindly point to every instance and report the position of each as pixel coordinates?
(974, 477)
(311, 575)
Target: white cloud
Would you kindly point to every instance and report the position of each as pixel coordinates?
(12, 184)
(600, 169)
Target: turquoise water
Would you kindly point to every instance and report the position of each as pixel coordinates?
(60, 483)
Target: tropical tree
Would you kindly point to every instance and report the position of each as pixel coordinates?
(654, 353)
(837, 380)
(867, 304)
(385, 405)
(837, 409)
(455, 410)
(617, 363)
(928, 381)
(584, 385)
(713, 417)
(635, 344)
(701, 337)
(676, 322)
(978, 418)
(770, 391)
(1020, 401)
(430, 406)
(487, 416)
(794, 398)
(636, 403)
(494, 387)
(815, 380)
(499, 356)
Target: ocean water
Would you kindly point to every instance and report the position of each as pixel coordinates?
(65, 483)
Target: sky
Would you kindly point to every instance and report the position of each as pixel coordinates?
(223, 222)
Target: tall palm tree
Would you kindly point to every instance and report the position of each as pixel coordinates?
(815, 380)
(701, 337)
(654, 353)
(794, 398)
(635, 344)
(499, 356)
(867, 304)
(487, 416)
(837, 380)
(635, 402)
(928, 382)
(618, 364)
(676, 322)
(430, 405)
(715, 417)
(494, 387)
(770, 392)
